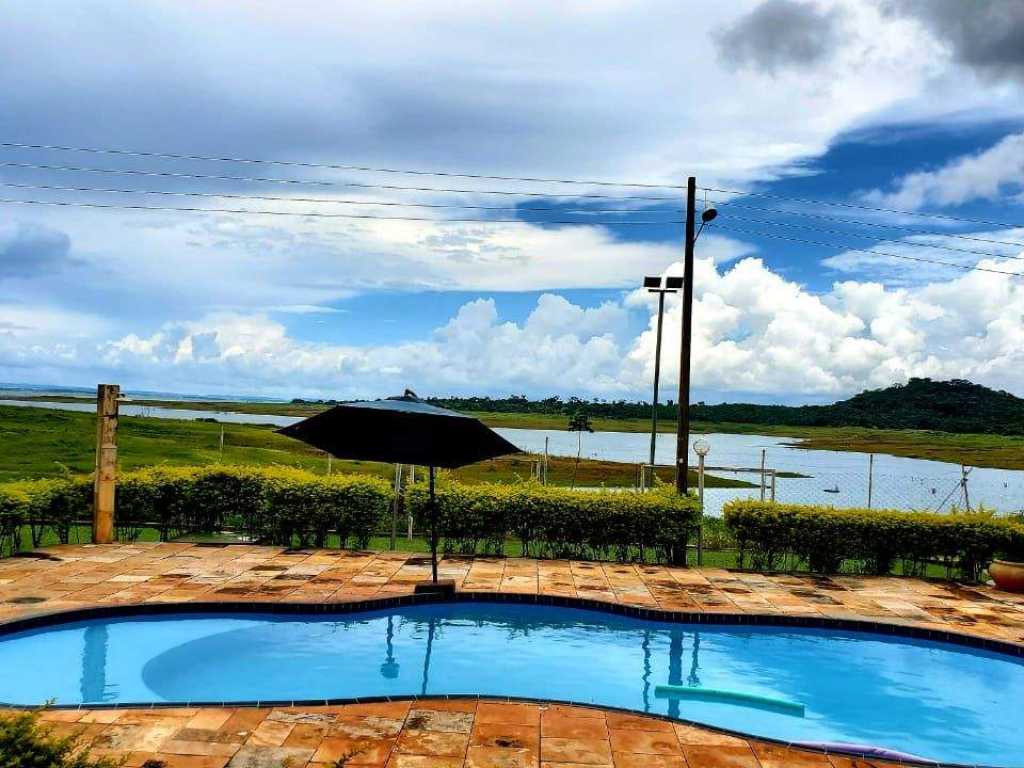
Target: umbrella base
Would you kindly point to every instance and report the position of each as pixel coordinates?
(444, 587)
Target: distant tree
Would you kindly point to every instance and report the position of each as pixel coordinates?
(579, 423)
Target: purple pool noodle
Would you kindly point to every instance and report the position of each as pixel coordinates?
(863, 749)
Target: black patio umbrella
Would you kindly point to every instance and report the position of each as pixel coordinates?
(402, 430)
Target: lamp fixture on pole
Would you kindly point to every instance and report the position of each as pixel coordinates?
(660, 286)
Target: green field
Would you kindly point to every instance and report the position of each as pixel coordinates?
(41, 442)
(977, 450)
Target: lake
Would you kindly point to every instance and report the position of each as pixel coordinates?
(834, 477)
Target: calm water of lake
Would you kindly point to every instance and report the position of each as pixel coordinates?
(898, 482)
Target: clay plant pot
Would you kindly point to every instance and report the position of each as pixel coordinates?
(1007, 576)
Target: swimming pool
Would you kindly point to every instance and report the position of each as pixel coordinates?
(941, 701)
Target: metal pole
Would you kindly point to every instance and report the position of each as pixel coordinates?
(700, 495)
(394, 507)
(963, 481)
(412, 481)
(657, 376)
(222, 441)
(433, 528)
(871, 476)
(330, 465)
(773, 473)
(683, 427)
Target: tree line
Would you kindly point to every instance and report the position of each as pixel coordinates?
(948, 406)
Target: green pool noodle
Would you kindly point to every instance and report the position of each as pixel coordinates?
(737, 697)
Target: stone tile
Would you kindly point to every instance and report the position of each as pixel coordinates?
(582, 751)
(643, 760)
(439, 720)
(506, 736)
(423, 761)
(511, 713)
(720, 757)
(269, 757)
(644, 742)
(270, 733)
(354, 751)
(620, 721)
(556, 724)
(497, 757)
(432, 743)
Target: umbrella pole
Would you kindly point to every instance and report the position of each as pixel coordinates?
(433, 528)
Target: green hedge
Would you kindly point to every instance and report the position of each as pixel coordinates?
(278, 505)
(770, 536)
(558, 522)
(293, 507)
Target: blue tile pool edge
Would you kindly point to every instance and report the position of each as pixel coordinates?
(56, 618)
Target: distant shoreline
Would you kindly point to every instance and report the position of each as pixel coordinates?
(981, 450)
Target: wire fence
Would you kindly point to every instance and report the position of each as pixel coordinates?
(968, 488)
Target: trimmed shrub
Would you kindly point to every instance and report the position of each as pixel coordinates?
(280, 505)
(303, 506)
(557, 522)
(27, 742)
(825, 538)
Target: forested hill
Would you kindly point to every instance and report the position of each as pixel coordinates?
(948, 406)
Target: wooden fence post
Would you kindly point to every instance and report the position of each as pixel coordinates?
(106, 463)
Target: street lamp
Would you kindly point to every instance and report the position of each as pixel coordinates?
(654, 285)
(702, 448)
(683, 429)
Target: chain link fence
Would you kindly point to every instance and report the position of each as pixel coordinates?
(966, 488)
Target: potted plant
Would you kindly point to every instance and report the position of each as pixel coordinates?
(1008, 572)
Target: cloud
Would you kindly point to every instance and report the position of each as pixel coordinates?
(780, 34)
(985, 35)
(597, 90)
(985, 175)
(28, 249)
(755, 332)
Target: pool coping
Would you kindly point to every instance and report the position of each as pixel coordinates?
(54, 618)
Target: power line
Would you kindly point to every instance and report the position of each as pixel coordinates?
(323, 215)
(841, 246)
(811, 201)
(445, 174)
(858, 223)
(336, 166)
(872, 237)
(326, 200)
(313, 182)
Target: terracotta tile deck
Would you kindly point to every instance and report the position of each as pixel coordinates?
(422, 734)
(462, 733)
(77, 576)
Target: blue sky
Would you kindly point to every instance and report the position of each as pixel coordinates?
(890, 104)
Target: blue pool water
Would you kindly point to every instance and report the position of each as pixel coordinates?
(935, 700)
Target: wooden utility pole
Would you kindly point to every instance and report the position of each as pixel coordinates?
(683, 428)
(105, 484)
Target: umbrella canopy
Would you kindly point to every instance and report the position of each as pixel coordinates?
(402, 430)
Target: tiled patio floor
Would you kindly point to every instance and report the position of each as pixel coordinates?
(422, 734)
(461, 733)
(85, 575)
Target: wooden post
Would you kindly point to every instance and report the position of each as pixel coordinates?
(105, 484)
(763, 451)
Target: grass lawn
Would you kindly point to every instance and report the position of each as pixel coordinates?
(998, 451)
(41, 442)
